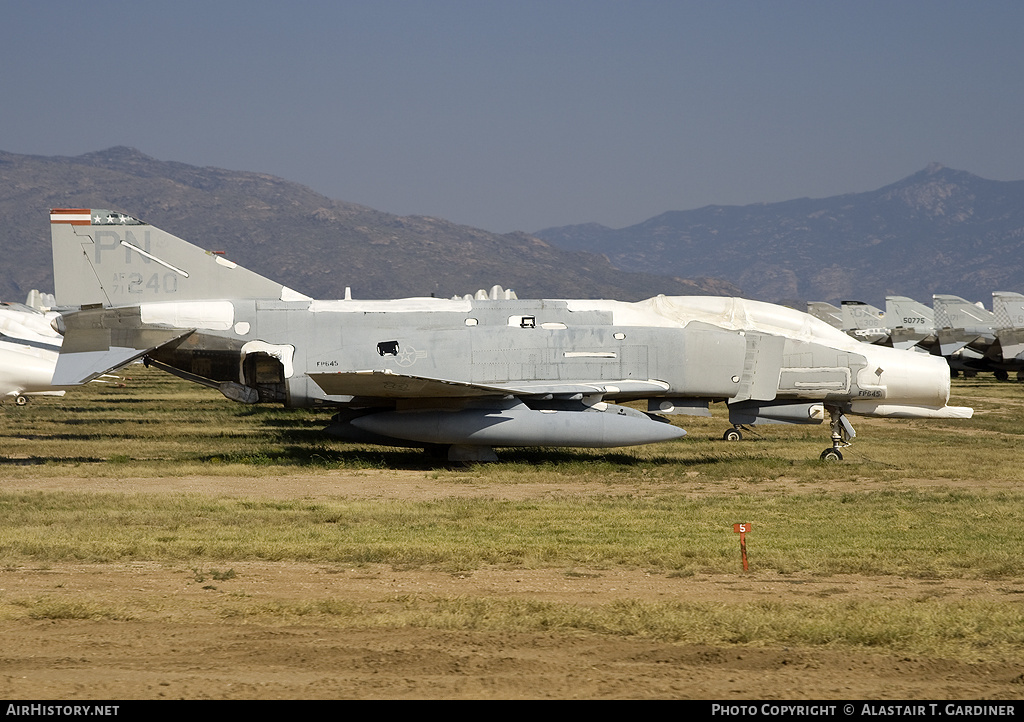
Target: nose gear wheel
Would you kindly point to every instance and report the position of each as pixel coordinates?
(842, 434)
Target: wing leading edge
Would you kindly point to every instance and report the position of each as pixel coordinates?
(390, 385)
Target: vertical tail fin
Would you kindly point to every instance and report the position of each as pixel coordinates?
(864, 322)
(826, 312)
(910, 322)
(860, 315)
(106, 258)
(907, 313)
(961, 323)
(1008, 308)
(956, 312)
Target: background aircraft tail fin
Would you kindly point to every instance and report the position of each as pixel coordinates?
(826, 312)
(111, 259)
(904, 312)
(956, 312)
(860, 315)
(1008, 308)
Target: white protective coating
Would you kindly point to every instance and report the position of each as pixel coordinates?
(282, 353)
(912, 384)
(896, 411)
(288, 294)
(25, 369)
(30, 326)
(905, 378)
(738, 314)
(207, 315)
(28, 351)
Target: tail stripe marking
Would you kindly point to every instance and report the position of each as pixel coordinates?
(72, 216)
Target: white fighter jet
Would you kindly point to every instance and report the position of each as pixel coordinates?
(468, 374)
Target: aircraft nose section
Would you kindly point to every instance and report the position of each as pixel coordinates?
(918, 379)
(911, 385)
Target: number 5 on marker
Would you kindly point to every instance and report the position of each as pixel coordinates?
(742, 530)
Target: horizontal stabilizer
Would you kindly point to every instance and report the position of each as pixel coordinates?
(79, 368)
(1011, 343)
(99, 340)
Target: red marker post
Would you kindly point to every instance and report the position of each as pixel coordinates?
(742, 530)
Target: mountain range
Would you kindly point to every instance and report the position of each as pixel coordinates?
(293, 235)
(937, 231)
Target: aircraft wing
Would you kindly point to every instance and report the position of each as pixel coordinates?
(387, 384)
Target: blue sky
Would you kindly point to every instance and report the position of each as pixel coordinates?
(521, 115)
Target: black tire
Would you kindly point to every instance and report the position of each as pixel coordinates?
(732, 435)
(831, 455)
(1001, 375)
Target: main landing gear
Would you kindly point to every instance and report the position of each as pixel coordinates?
(842, 433)
(733, 434)
(841, 428)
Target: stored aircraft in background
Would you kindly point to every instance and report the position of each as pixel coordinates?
(467, 374)
(1008, 308)
(864, 322)
(961, 324)
(968, 336)
(828, 313)
(28, 352)
(993, 337)
(860, 320)
(911, 324)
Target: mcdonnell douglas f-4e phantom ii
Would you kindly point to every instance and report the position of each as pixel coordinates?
(466, 374)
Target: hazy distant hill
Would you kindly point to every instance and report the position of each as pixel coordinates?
(937, 231)
(289, 233)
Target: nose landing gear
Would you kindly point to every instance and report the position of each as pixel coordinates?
(842, 434)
